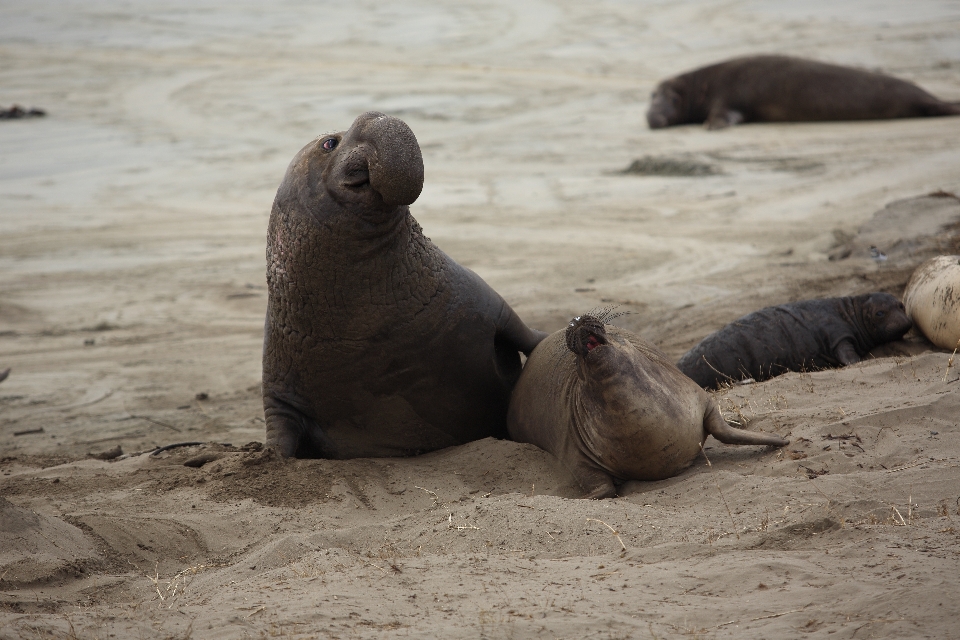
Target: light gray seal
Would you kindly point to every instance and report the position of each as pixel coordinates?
(611, 407)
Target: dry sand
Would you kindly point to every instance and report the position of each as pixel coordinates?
(132, 223)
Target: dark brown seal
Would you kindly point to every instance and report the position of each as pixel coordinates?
(800, 336)
(4, 374)
(16, 112)
(612, 407)
(376, 342)
(785, 89)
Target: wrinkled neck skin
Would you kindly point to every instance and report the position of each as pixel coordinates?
(856, 311)
(597, 376)
(342, 254)
(319, 245)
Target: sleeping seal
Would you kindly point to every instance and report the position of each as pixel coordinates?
(932, 300)
(612, 407)
(784, 89)
(376, 342)
(799, 336)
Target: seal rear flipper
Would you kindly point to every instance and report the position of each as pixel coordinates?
(513, 331)
(715, 425)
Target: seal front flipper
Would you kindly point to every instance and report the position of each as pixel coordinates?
(715, 425)
(292, 433)
(846, 354)
(596, 483)
(721, 117)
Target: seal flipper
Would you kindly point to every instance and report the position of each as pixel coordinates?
(721, 117)
(596, 483)
(846, 354)
(512, 330)
(715, 425)
(293, 433)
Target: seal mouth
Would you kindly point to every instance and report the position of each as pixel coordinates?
(356, 178)
(584, 334)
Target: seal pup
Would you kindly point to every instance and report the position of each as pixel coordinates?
(799, 336)
(771, 88)
(932, 300)
(611, 407)
(376, 343)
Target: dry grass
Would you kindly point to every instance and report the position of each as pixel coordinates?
(615, 532)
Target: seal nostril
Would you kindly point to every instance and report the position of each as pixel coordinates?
(592, 343)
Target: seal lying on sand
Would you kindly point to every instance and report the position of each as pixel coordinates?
(4, 374)
(376, 343)
(800, 336)
(612, 407)
(16, 112)
(785, 89)
(932, 300)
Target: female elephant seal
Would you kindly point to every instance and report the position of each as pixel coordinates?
(785, 89)
(376, 342)
(799, 336)
(932, 300)
(612, 407)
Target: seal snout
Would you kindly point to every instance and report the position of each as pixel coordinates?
(888, 317)
(584, 334)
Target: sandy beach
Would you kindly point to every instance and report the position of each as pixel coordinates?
(132, 295)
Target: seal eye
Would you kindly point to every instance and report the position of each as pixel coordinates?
(592, 343)
(330, 144)
(880, 314)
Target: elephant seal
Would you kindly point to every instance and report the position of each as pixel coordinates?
(376, 343)
(932, 300)
(4, 374)
(785, 89)
(612, 407)
(799, 336)
(16, 112)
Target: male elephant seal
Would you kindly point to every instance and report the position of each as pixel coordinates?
(376, 342)
(800, 336)
(932, 300)
(785, 89)
(612, 407)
